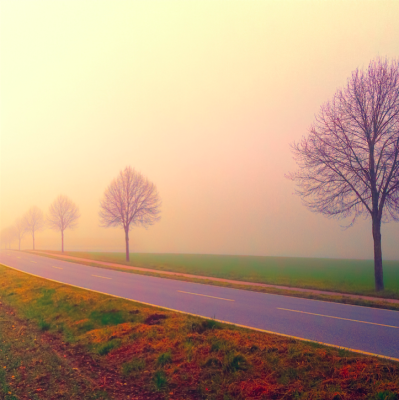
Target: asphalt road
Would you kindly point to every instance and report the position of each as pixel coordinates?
(359, 328)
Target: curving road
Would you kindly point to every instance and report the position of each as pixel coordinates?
(363, 329)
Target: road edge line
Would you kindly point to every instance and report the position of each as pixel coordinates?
(214, 319)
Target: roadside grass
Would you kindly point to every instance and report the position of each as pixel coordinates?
(124, 348)
(30, 369)
(336, 275)
(340, 298)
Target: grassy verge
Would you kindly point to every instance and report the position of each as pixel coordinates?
(307, 295)
(31, 369)
(336, 275)
(123, 349)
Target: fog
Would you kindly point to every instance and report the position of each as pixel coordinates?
(203, 98)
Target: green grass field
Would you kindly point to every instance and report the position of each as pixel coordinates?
(344, 276)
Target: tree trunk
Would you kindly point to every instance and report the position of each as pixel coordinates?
(378, 273)
(62, 241)
(19, 244)
(33, 236)
(127, 244)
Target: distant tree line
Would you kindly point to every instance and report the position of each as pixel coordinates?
(130, 200)
(63, 214)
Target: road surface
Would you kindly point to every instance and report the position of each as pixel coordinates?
(364, 329)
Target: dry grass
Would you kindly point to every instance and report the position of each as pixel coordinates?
(129, 350)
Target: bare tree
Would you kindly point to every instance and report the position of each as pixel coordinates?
(349, 163)
(3, 239)
(10, 236)
(20, 229)
(63, 214)
(34, 221)
(130, 200)
(7, 236)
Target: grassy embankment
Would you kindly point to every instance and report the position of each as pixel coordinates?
(63, 342)
(346, 276)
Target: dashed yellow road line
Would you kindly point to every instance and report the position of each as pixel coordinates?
(218, 320)
(330, 316)
(205, 295)
(57, 267)
(104, 277)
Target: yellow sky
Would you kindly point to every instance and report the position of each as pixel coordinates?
(202, 97)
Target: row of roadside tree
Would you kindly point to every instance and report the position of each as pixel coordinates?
(62, 214)
(130, 200)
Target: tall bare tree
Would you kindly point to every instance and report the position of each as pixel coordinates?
(34, 221)
(20, 229)
(349, 163)
(63, 214)
(130, 200)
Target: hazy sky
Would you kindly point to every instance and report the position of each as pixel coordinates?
(202, 97)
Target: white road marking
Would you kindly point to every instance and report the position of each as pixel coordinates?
(346, 319)
(57, 267)
(104, 277)
(205, 295)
